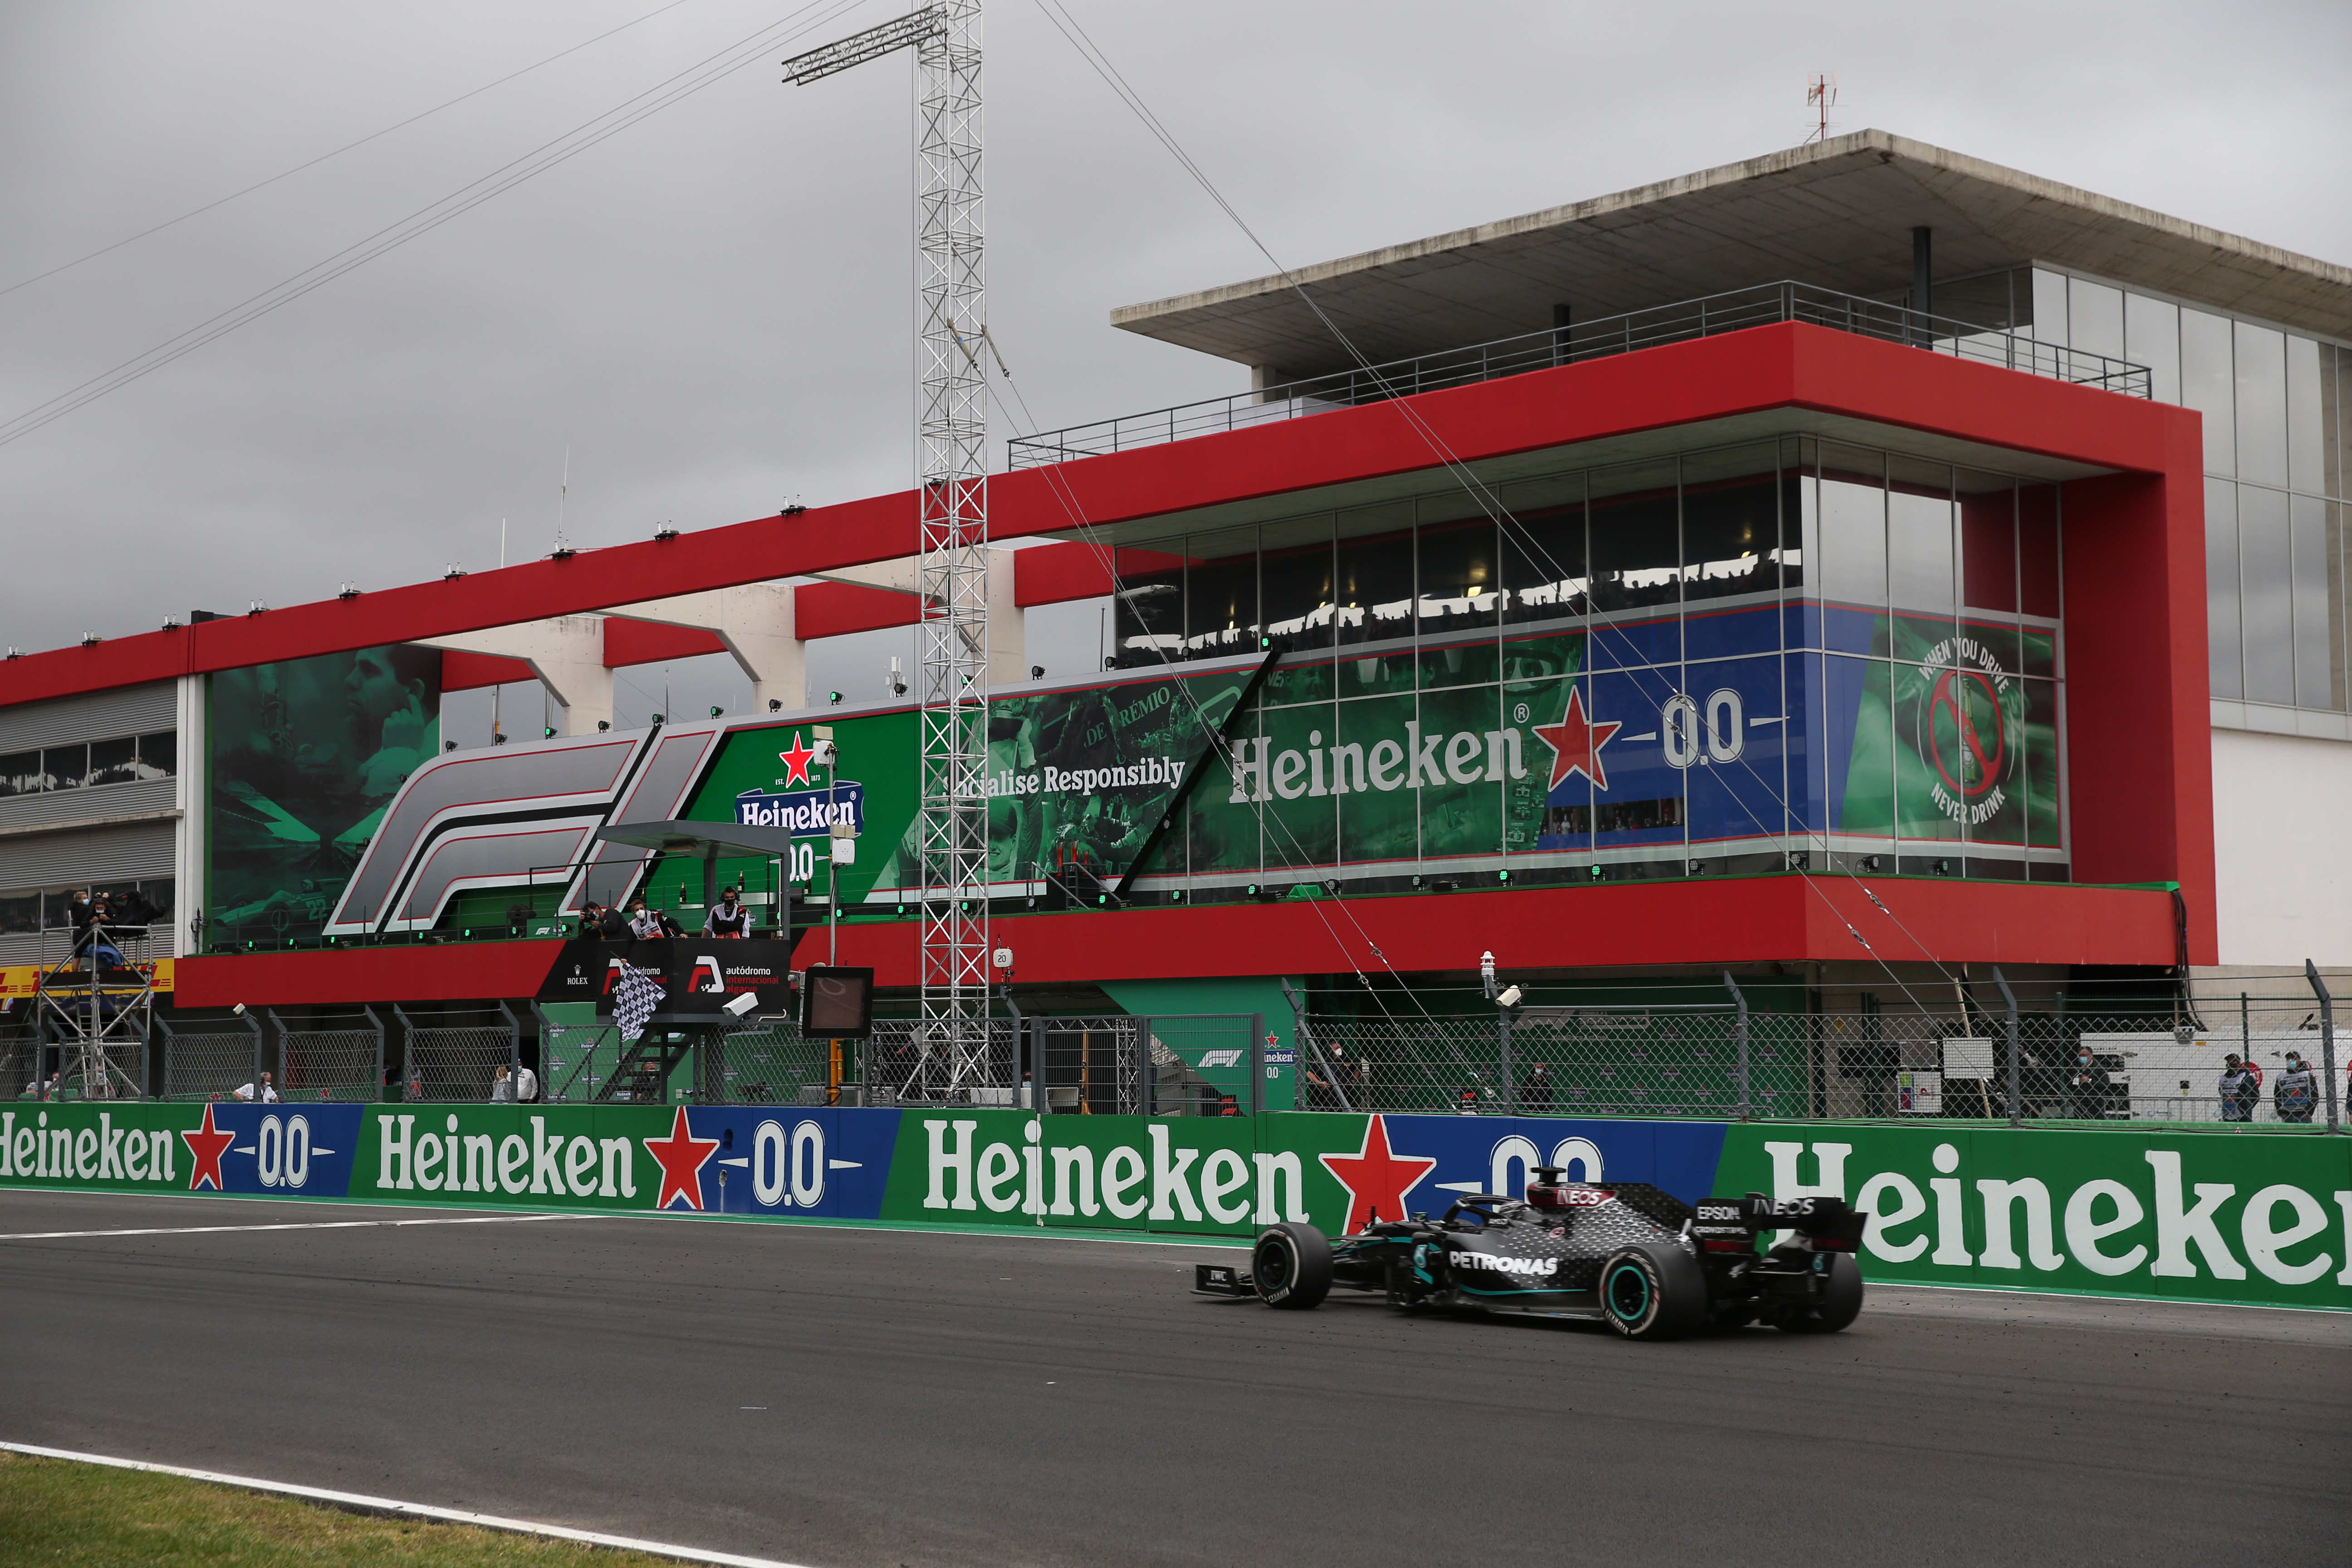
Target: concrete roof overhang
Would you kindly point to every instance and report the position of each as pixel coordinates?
(1836, 214)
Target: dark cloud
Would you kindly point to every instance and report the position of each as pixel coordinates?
(712, 308)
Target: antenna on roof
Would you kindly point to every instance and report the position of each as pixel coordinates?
(1821, 94)
(563, 494)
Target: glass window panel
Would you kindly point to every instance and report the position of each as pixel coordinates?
(1636, 541)
(20, 772)
(159, 892)
(1454, 663)
(1947, 753)
(1457, 578)
(56, 909)
(1860, 746)
(1851, 563)
(1148, 616)
(1735, 782)
(1731, 522)
(2095, 317)
(1390, 670)
(1463, 816)
(2222, 588)
(66, 767)
(1220, 834)
(1543, 565)
(1368, 770)
(1980, 301)
(2207, 384)
(1295, 579)
(2049, 306)
(1806, 743)
(1221, 593)
(2152, 338)
(2340, 425)
(1920, 534)
(2318, 632)
(159, 755)
(114, 761)
(1987, 539)
(2306, 453)
(2044, 809)
(2266, 591)
(1537, 673)
(2261, 404)
(2038, 577)
(1375, 592)
(1302, 821)
(2340, 694)
(20, 913)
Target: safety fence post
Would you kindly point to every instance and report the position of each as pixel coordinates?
(1740, 1002)
(1257, 1064)
(2327, 1037)
(1510, 1075)
(2009, 1001)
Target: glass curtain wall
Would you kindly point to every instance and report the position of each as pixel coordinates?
(1683, 666)
(2274, 406)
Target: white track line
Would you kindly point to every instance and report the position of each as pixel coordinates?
(298, 1224)
(359, 1504)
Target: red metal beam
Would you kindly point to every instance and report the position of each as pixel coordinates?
(628, 642)
(836, 609)
(467, 671)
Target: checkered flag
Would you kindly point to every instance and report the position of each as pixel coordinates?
(639, 994)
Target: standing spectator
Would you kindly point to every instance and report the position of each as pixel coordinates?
(415, 1087)
(1535, 1094)
(2297, 1090)
(502, 1087)
(613, 925)
(265, 1091)
(644, 924)
(727, 917)
(2242, 1090)
(527, 1086)
(2087, 1085)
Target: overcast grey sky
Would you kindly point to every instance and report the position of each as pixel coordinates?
(712, 308)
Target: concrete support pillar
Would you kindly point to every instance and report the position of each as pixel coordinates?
(755, 621)
(1008, 634)
(567, 655)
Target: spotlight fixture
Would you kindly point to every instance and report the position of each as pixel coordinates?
(1801, 860)
(665, 531)
(14, 652)
(1943, 868)
(452, 571)
(90, 639)
(1596, 872)
(832, 699)
(775, 704)
(792, 509)
(170, 624)
(1502, 875)
(603, 725)
(661, 717)
(257, 608)
(562, 552)
(448, 745)
(1870, 863)
(715, 711)
(497, 739)
(348, 591)
(547, 732)
(1696, 868)
(1036, 672)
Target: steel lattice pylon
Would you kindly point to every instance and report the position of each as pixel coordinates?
(952, 480)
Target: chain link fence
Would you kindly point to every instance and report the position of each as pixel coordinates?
(331, 1057)
(210, 1058)
(1721, 1062)
(461, 1061)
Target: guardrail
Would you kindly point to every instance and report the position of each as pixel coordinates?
(1737, 310)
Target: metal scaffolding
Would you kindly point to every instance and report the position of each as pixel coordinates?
(952, 475)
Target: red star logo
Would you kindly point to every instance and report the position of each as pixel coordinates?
(206, 1147)
(682, 1157)
(1576, 743)
(1376, 1180)
(797, 760)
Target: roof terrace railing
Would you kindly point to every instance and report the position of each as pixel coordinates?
(1735, 311)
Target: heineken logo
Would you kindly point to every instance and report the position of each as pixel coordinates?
(805, 811)
(1962, 730)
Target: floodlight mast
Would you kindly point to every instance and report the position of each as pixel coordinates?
(952, 475)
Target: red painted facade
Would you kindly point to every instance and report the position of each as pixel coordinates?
(2136, 715)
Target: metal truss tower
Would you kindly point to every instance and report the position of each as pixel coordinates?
(952, 475)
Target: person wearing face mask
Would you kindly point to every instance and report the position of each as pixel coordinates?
(2297, 1089)
(2087, 1086)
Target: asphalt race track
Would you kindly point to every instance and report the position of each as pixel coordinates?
(843, 1398)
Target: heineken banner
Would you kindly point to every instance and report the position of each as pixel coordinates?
(2246, 1218)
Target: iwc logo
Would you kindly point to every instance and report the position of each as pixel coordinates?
(1964, 730)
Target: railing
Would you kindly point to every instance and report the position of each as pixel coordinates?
(1736, 312)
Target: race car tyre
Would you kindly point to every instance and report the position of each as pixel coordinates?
(1291, 1267)
(1840, 1305)
(1653, 1292)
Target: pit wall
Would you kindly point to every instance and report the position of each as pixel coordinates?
(2255, 1218)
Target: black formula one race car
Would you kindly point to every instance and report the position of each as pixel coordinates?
(1633, 1254)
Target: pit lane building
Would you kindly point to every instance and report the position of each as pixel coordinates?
(1862, 544)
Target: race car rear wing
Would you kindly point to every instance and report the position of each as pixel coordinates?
(1732, 1224)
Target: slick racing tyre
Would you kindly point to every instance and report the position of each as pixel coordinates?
(1839, 1305)
(1291, 1267)
(1653, 1292)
